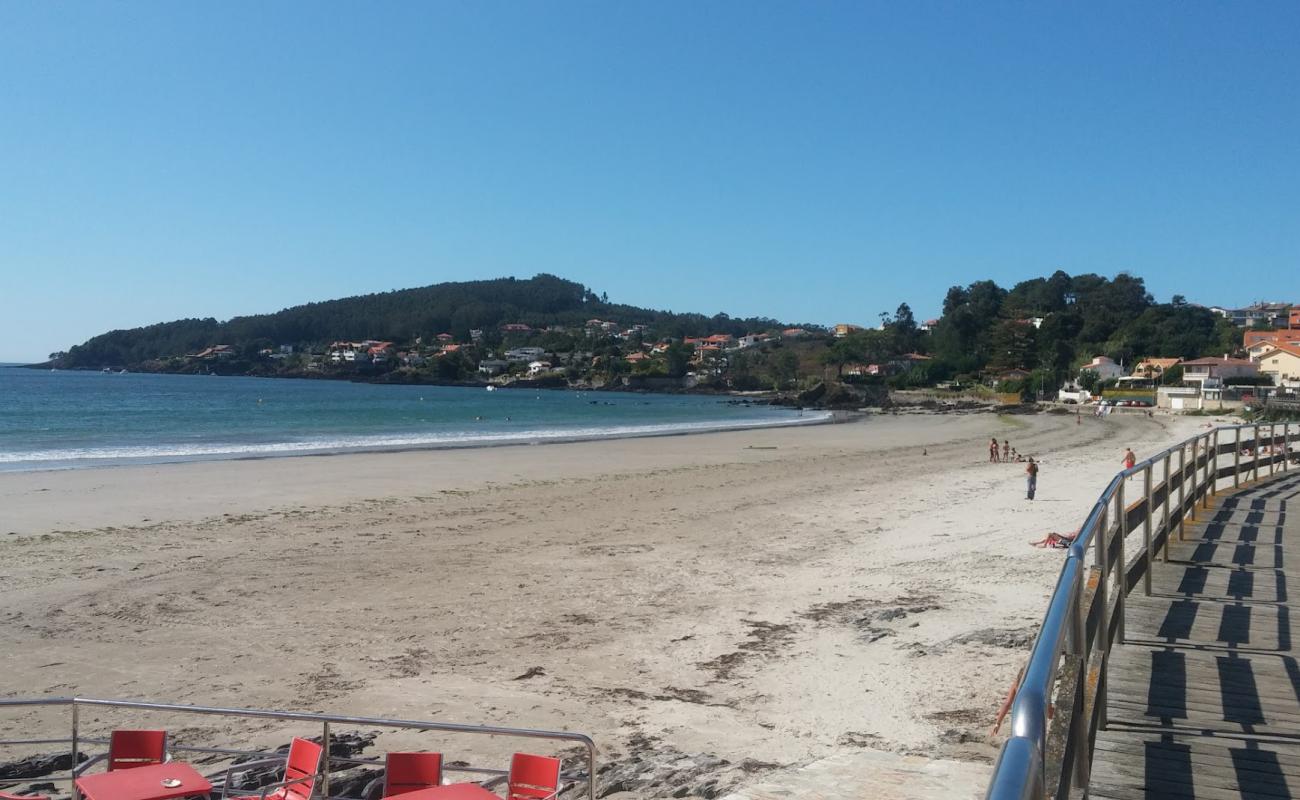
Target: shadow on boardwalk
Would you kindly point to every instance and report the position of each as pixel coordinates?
(1204, 695)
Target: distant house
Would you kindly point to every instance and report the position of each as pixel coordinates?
(524, 354)
(844, 329)
(516, 327)
(1011, 375)
(721, 340)
(1259, 342)
(1154, 368)
(929, 325)
(536, 368)
(1106, 368)
(216, 351)
(1214, 371)
(493, 366)
(637, 358)
(380, 352)
(793, 333)
(751, 340)
(476, 335)
(446, 337)
(1273, 315)
(1282, 363)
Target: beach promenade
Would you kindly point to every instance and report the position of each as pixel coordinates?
(1204, 692)
(1165, 664)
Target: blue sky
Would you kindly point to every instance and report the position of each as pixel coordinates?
(815, 161)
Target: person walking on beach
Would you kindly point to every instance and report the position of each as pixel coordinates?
(1031, 477)
(1129, 458)
(1006, 450)
(993, 451)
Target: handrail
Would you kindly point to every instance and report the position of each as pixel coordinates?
(324, 719)
(1048, 756)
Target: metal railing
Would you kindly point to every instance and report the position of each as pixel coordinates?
(76, 704)
(1061, 701)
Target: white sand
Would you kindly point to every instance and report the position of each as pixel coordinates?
(688, 594)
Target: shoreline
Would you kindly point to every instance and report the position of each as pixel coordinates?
(524, 439)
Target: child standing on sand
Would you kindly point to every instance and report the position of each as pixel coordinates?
(1031, 477)
(1006, 450)
(993, 450)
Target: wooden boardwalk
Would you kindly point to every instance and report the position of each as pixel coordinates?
(1204, 695)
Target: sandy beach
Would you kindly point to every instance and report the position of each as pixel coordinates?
(766, 598)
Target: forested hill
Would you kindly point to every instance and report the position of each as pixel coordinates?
(399, 316)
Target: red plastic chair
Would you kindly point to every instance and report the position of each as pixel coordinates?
(301, 768)
(409, 772)
(131, 749)
(533, 777)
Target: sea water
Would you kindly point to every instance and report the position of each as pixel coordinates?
(67, 419)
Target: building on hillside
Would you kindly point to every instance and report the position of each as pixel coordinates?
(476, 335)
(1259, 342)
(636, 358)
(929, 325)
(515, 327)
(793, 333)
(1213, 372)
(1272, 315)
(1282, 364)
(1106, 368)
(446, 338)
(216, 351)
(1293, 318)
(536, 368)
(844, 329)
(1154, 368)
(525, 354)
(492, 366)
(751, 340)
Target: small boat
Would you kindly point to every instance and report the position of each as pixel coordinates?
(491, 388)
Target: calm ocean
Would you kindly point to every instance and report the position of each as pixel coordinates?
(51, 420)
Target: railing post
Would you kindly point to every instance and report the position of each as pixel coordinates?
(1214, 474)
(1164, 524)
(1195, 479)
(1272, 447)
(1146, 530)
(1236, 461)
(1209, 482)
(1103, 631)
(325, 762)
(1182, 488)
(76, 794)
(1079, 648)
(1286, 446)
(1121, 569)
(1255, 463)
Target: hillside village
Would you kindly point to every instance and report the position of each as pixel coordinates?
(603, 353)
(1075, 339)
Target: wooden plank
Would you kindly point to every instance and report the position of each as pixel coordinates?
(1207, 669)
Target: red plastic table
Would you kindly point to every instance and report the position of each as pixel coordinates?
(144, 783)
(452, 791)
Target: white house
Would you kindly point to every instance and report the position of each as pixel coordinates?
(1105, 368)
(536, 368)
